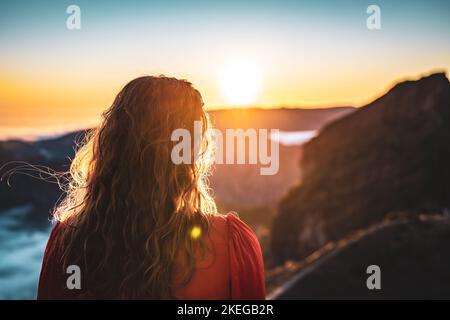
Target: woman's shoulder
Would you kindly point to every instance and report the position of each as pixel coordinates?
(245, 256)
(240, 239)
(231, 225)
(223, 220)
(56, 230)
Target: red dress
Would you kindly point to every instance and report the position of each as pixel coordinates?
(234, 270)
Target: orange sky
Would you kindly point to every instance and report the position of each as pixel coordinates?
(305, 55)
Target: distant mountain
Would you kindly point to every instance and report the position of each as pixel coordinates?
(391, 155)
(235, 186)
(285, 119)
(242, 186)
(21, 189)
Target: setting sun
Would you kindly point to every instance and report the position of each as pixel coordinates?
(240, 82)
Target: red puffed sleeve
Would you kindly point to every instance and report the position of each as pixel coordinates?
(246, 262)
(51, 280)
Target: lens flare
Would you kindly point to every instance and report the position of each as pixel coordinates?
(196, 232)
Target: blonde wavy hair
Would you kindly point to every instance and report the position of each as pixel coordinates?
(129, 210)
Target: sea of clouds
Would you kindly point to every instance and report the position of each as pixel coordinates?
(21, 253)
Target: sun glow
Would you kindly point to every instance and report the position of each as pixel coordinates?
(240, 82)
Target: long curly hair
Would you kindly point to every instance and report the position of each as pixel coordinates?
(129, 210)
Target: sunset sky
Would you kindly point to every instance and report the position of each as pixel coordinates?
(294, 53)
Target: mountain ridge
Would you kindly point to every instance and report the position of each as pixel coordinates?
(387, 156)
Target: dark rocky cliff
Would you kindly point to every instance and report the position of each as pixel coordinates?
(412, 256)
(391, 155)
